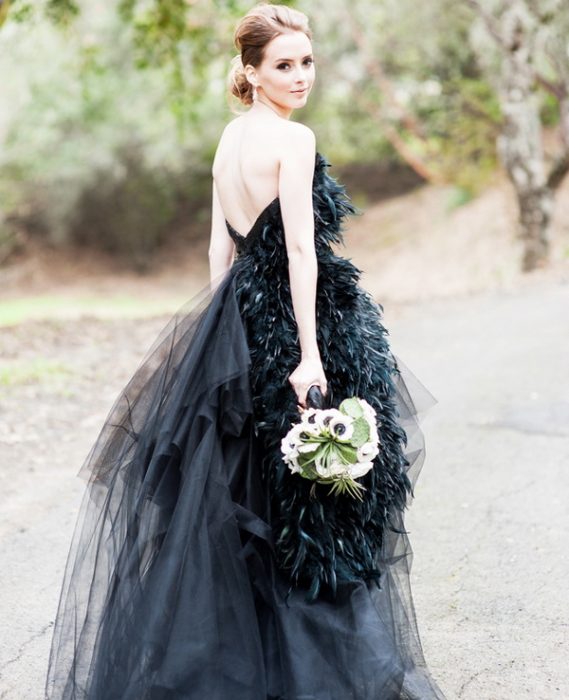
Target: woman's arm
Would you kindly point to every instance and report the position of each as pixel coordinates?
(221, 246)
(296, 175)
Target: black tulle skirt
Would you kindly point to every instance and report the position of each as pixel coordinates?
(171, 589)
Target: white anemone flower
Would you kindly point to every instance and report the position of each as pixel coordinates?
(295, 431)
(292, 438)
(288, 446)
(359, 469)
(309, 416)
(341, 427)
(326, 415)
(370, 415)
(373, 433)
(291, 456)
(367, 451)
(310, 428)
(368, 409)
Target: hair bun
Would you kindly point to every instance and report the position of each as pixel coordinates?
(254, 31)
(238, 83)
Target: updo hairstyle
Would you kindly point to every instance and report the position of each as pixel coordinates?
(255, 30)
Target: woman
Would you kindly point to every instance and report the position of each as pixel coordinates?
(201, 566)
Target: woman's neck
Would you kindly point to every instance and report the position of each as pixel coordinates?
(261, 106)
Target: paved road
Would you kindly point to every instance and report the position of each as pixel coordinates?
(489, 524)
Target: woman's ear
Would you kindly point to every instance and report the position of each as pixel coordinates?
(251, 75)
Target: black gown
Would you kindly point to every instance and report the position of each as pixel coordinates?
(201, 567)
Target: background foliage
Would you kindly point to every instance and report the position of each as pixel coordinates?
(111, 114)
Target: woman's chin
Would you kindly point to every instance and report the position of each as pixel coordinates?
(297, 101)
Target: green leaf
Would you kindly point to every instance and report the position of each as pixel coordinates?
(361, 432)
(348, 454)
(351, 407)
(309, 472)
(306, 458)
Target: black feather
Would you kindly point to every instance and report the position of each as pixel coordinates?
(330, 538)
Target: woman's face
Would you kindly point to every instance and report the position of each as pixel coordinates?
(287, 68)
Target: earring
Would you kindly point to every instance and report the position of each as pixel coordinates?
(254, 92)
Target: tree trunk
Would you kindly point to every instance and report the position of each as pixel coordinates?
(520, 144)
(521, 151)
(514, 28)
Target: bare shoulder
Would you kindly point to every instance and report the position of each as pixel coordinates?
(296, 173)
(232, 124)
(297, 142)
(300, 131)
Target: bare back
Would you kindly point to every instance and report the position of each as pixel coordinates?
(246, 166)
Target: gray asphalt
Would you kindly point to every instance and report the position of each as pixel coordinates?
(489, 525)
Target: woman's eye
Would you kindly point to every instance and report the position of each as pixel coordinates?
(307, 61)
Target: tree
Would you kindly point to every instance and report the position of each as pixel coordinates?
(524, 33)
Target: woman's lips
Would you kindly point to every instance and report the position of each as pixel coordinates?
(299, 92)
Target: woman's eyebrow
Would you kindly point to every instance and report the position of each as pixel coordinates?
(308, 55)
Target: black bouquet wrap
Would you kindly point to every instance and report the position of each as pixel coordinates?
(315, 398)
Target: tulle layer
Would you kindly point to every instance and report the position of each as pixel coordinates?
(171, 589)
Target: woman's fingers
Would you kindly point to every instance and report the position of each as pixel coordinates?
(302, 396)
(306, 376)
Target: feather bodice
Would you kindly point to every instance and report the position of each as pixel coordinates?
(319, 540)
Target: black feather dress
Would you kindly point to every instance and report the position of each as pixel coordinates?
(201, 567)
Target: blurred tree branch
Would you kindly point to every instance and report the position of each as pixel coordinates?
(416, 133)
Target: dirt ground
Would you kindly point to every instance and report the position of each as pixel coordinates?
(489, 522)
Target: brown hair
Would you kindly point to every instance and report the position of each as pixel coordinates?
(255, 30)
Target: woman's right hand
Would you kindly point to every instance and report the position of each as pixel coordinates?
(307, 373)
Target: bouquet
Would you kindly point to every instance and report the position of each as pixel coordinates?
(334, 446)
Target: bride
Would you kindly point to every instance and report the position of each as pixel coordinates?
(202, 566)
